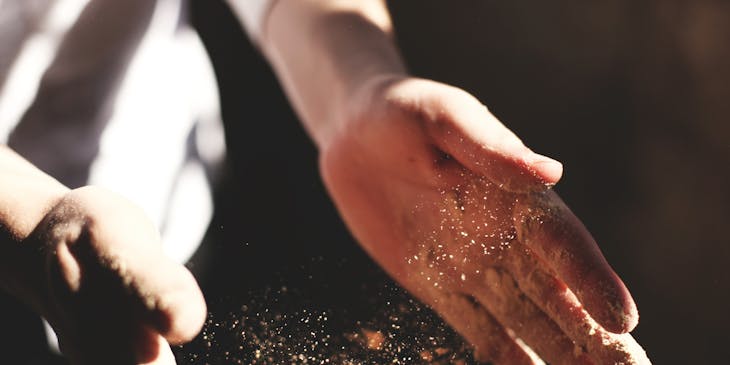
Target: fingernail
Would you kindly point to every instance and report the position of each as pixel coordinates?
(546, 168)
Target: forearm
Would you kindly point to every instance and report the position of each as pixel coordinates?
(26, 196)
(323, 50)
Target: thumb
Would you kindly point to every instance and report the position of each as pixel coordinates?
(464, 129)
(162, 354)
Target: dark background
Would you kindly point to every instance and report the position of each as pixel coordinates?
(631, 96)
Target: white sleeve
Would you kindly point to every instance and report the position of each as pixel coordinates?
(252, 14)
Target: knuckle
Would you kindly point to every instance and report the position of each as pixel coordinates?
(66, 223)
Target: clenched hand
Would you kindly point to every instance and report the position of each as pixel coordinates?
(105, 285)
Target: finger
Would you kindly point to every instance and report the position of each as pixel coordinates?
(134, 288)
(164, 355)
(165, 296)
(515, 311)
(96, 345)
(109, 256)
(490, 340)
(546, 225)
(150, 348)
(463, 128)
(560, 304)
(171, 301)
(165, 293)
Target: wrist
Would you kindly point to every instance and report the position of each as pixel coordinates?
(323, 52)
(366, 100)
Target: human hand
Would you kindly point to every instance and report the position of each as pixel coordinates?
(105, 285)
(457, 210)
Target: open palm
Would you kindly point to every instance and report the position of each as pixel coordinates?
(458, 210)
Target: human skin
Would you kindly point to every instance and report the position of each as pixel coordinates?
(92, 264)
(419, 170)
(444, 197)
(87, 260)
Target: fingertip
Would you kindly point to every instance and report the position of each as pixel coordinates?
(146, 346)
(180, 312)
(155, 350)
(182, 322)
(629, 318)
(632, 319)
(611, 304)
(526, 173)
(622, 318)
(546, 169)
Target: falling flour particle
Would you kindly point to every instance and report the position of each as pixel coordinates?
(402, 331)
